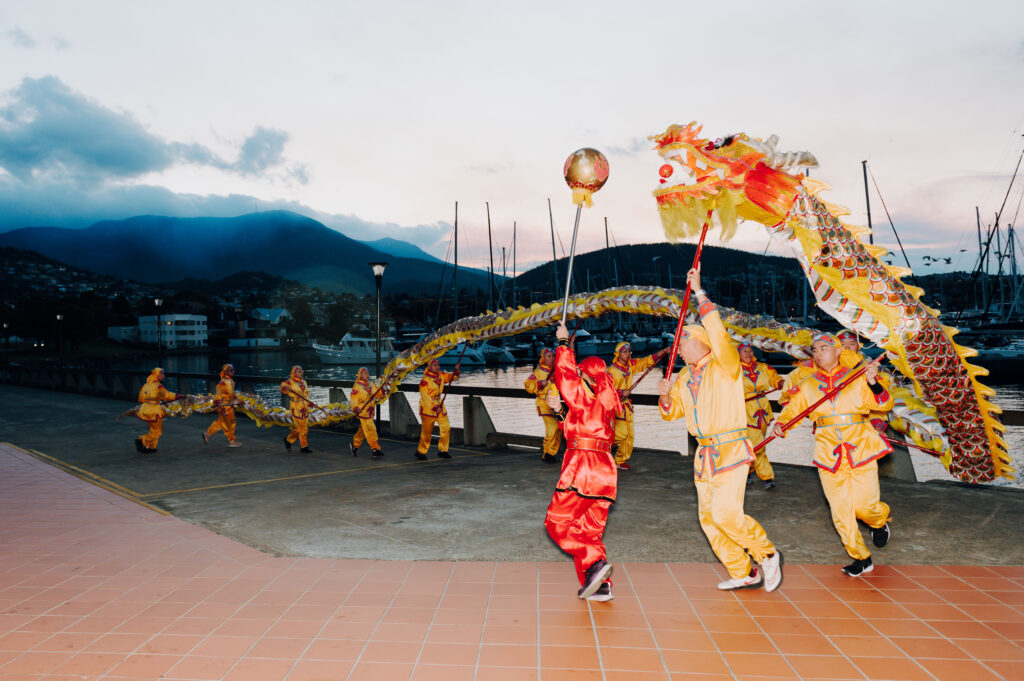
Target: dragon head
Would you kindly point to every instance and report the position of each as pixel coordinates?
(737, 177)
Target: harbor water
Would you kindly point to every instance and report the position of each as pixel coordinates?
(519, 416)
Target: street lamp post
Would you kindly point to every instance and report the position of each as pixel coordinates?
(60, 340)
(159, 332)
(378, 274)
(6, 340)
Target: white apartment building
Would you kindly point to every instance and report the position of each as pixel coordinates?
(174, 330)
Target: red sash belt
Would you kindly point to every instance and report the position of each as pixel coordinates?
(591, 444)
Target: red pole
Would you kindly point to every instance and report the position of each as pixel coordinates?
(686, 299)
(827, 396)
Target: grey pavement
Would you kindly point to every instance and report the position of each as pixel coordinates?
(480, 505)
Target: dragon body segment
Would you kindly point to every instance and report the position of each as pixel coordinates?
(746, 178)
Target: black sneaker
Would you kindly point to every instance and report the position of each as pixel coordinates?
(751, 478)
(444, 455)
(353, 448)
(548, 458)
(859, 567)
(377, 453)
(306, 450)
(421, 457)
(603, 593)
(287, 445)
(880, 535)
(596, 575)
(769, 484)
(139, 446)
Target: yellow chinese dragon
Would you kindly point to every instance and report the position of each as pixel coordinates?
(745, 178)
(942, 406)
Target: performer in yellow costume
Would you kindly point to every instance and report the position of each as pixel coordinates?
(624, 370)
(759, 379)
(851, 342)
(361, 402)
(709, 394)
(223, 397)
(846, 446)
(432, 409)
(298, 404)
(540, 384)
(152, 396)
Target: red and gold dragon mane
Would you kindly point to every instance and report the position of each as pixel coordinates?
(745, 178)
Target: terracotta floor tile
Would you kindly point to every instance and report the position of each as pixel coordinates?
(33, 663)
(224, 646)
(431, 672)
(964, 630)
(1008, 670)
(199, 626)
(904, 628)
(565, 636)
(334, 649)
(803, 645)
(400, 631)
(991, 649)
(745, 665)
(117, 643)
(731, 624)
(901, 668)
(568, 657)
(625, 638)
(508, 655)
(89, 664)
(958, 670)
(571, 675)
(632, 659)
(787, 625)
(145, 665)
(379, 671)
(865, 646)
(671, 639)
(449, 653)
(819, 609)
(825, 667)
(203, 668)
(319, 670)
(514, 674)
(513, 618)
(743, 643)
(682, 621)
(390, 651)
(510, 634)
(260, 670)
(410, 615)
(280, 648)
(20, 641)
(454, 633)
(294, 629)
(921, 648)
(621, 675)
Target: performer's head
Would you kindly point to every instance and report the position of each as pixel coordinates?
(594, 373)
(849, 340)
(825, 350)
(227, 371)
(623, 352)
(434, 366)
(363, 374)
(694, 343)
(547, 357)
(746, 351)
(297, 372)
(157, 374)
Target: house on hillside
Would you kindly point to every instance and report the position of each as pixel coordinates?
(274, 316)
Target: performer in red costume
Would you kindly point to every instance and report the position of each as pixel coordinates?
(585, 491)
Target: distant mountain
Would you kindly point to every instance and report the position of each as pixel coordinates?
(156, 249)
(402, 249)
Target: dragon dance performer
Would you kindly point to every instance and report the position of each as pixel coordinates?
(622, 370)
(846, 446)
(851, 342)
(298, 392)
(540, 384)
(152, 396)
(709, 394)
(758, 380)
(223, 398)
(578, 512)
(432, 409)
(360, 400)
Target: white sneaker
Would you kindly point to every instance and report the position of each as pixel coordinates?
(236, 443)
(748, 582)
(603, 593)
(772, 567)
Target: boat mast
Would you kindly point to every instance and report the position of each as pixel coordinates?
(867, 200)
(513, 263)
(455, 275)
(554, 256)
(490, 252)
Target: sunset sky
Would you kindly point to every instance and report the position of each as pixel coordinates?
(375, 118)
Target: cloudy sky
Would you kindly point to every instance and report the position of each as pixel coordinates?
(375, 118)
